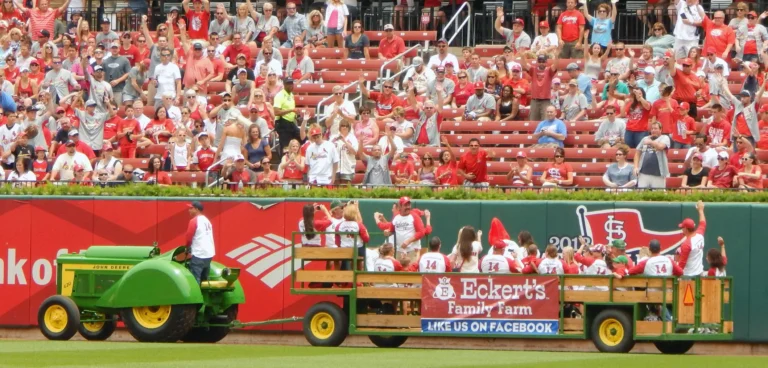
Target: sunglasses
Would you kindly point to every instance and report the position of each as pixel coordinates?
(127, 172)
(722, 158)
(142, 41)
(387, 87)
(267, 53)
(257, 97)
(619, 49)
(338, 93)
(658, 29)
(389, 30)
(358, 27)
(558, 156)
(165, 55)
(462, 77)
(227, 100)
(291, 8)
(610, 113)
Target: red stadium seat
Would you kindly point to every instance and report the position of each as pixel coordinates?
(345, 64)
(187, 177)
(376, 36)
(345, 76)
(137, 163)
(324, 88)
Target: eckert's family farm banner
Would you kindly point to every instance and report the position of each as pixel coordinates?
(501, 305)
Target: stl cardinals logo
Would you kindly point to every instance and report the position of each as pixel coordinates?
(626, 224)
(444, 291)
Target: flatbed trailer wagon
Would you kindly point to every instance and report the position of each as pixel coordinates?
(613, 313)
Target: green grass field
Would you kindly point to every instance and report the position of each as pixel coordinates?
(127, 354)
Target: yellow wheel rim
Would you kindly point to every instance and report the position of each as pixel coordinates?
(94, 326)
(55, 318)
(152, 317)
(322, 325)
(611, 332)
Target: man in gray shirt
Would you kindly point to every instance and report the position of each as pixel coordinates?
(294, 24)
(222, 25)
(59, 80)
(477, 73)
(377, 164)
(302, 64)
(106, 36)
(448, 87)
(650, 161)
(481, 105)
(611, 130)
(43, 38)
(116, 68)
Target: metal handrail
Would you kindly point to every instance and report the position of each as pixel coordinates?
(381, 70)
(459, 27)
(320, 104)
(209, 171)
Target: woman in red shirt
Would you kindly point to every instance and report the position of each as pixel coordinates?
(154, 175)
(463, 90)
(267, 176)
(559, 173)
(750, 176)
(26, 86)
(637, 111)
(160, 129)
(141, 43)
(11, 71)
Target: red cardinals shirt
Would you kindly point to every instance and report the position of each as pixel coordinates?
(197, 24)
(665, 115)
(131, 53)
(683, 124)
(719, 132)
(570, 22)
(111, 126)
(722, 178)
(134, 127)
(205, 157)
(385, 105)
(475, 164)
(718, 37)
(155, 126)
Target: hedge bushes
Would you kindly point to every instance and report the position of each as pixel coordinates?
(356, 192)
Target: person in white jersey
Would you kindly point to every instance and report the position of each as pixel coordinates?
(200, 246)
(551, 264)
(407, 227)
(351, 233)
(310, 225)
(433, 261)
(692, 248)
(498, 262)
(656, 265)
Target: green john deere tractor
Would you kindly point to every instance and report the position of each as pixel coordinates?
(153, 294)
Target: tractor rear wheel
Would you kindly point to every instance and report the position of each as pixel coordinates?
(212, 334)
(58, 318)
(98, 331)
(165, 323)
(612, 331)
(673, 347)
(325, 324)
(387, 341)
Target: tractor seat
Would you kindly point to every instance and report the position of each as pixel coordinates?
(222, 284)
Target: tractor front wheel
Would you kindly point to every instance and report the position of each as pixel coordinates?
(673, 347)
(215, 333)
(165, 323)
(98, 331)
(325, 324)
(58, 318)
(612, 331)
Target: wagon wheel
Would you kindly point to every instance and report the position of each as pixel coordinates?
(100, 330)
(325, 324)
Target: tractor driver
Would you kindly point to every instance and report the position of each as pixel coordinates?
(200, 247)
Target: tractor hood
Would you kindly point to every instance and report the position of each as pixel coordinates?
(122, 252)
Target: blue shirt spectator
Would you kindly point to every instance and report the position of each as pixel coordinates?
(552, 131)
(7, 102)
(584, 81)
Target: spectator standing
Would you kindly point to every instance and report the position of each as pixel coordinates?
(116, 69)
(688, 15)
(570, 31)
(751, 37)
(744, 122)
(700, 145)
(106, 37)
(602, 25)
(336, 17)
(300, 66)
(59, 80)
(611, 131)
(473, 166)
(386, 100)
(285, 113)
(650, 161)
(466, 252)
(650, 84)
(515, 37)
(427, 128)
(660, 40)
(695, 176)
(356, 43)
(322, 159)
(664, 111)
(684, 128)
(584, 81)
(198, 19)
(199, 69)
(620, 174)
(541, 84)
(377, 164)
(550, 132)
(42, 17)
(294, 24)
(346, 150)
(718, 130)
(267, 24)
(442, 57)
(718, 35)
(637, 111)
(692, 247)
(221, 25)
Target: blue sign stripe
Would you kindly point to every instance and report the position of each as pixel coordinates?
(489, 326)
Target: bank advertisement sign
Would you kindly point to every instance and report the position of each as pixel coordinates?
(498, 305)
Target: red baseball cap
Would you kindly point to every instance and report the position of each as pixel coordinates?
(711, 50)
(685, 106)
(404, 200)
(40, 148)
(686, 61)
(699, 156)
(764, 108)
(107, 147)
(522, 154)
(479, 85)
(668, 53)
(687, 224)
(315, 131)
(519, 20)
(543, 24)
(146, 62)
(79, 168)
(254, 107)
(209, 107)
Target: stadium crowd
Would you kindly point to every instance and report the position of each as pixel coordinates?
(232, 96)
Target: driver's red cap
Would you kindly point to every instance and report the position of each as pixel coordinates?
(404, 200)
(687, 224)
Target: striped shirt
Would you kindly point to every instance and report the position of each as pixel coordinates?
(39, 20)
